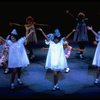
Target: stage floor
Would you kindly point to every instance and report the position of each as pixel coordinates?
(78, 82)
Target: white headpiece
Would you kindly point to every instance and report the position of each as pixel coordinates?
(14, 32)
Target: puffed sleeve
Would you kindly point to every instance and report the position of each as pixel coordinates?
(22, 40)
(8, 42)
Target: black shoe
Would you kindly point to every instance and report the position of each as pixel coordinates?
(6, 71)
(12, 86)
(55, 88)
(19, 82)
(96, 81)
(33, 56)
(67, 70)
(81, 56)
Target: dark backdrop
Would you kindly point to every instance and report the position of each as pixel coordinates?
(52, 13)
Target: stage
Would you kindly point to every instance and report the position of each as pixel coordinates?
(78, 82)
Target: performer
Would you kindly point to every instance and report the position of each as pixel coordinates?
(67, 50)
(4, 56)
(96, 59)
(30, 26)
(56, 60)
(17, 57)
(80, 36)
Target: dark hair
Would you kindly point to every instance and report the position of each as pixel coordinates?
(55, 37)
(15, 36)
(21, 30)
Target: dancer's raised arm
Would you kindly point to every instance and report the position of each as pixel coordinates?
(1, 38)
(16, 24)
(91, 29)
(70, 34)
(40, 29)
(29, 34)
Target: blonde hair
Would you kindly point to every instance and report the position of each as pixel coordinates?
(29, 18)
(66, 43)
(81, 14)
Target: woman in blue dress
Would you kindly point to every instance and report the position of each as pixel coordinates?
(81, 36)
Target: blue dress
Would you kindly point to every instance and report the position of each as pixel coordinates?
(81, 31)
